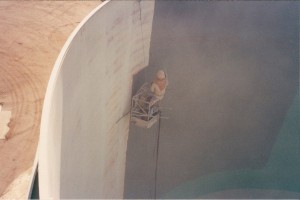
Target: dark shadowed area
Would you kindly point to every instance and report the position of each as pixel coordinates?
(234, 73)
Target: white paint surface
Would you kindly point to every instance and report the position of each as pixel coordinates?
(85, 121)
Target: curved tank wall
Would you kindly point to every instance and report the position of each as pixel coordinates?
(233, 124)
(85, 119)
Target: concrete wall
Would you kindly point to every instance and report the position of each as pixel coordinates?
(85, 121)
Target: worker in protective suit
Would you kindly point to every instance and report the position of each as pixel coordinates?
(159, 85)
(148, 101)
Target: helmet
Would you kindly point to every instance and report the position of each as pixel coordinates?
(160, 74)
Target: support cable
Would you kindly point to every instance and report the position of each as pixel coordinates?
(156, 161)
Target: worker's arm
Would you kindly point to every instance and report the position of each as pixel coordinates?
(152, 88)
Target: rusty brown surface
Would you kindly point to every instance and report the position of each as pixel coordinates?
(31, 36)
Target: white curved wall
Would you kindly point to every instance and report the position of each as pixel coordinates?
(85, 121)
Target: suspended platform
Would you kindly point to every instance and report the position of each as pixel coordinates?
(144, 107)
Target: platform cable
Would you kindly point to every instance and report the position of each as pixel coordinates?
(156, 161)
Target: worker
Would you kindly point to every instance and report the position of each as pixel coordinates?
(159, 85)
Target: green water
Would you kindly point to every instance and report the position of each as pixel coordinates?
(282, 171)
